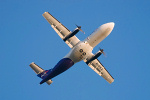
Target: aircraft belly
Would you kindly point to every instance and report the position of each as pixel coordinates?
(79, 52)
(59, 68)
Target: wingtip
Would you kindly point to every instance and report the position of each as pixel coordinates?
(44, 13)
(111, 81)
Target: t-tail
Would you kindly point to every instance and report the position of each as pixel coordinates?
(40, 72)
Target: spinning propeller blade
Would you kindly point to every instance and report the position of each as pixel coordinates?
(102, 51)
(79, 27)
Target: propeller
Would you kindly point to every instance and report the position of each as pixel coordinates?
(79, 27)
(102, 51)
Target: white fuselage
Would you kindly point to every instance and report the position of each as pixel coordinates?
(79, 52)
(84, 48)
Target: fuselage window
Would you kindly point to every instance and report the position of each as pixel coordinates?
(81, 50)
(84, 53)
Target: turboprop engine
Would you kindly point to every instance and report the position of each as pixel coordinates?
(101, 51)
(73, 33)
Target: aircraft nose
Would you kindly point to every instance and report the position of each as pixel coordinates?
(107, 28)
(111, 25)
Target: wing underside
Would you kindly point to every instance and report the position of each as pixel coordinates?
(61, 30)
(100, 70)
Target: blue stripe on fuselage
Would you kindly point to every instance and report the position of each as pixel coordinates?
(60, 67)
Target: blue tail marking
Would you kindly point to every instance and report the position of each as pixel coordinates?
(44, 74)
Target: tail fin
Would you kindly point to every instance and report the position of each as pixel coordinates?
(43, 74)
(40, 72)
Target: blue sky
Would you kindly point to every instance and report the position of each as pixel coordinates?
(25, 37)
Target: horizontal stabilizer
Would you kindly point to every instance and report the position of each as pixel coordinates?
(49, 81)
(40, 72)
(36, 68)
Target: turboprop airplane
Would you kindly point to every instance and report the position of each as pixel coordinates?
(80, 50)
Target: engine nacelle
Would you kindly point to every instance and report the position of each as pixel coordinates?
(71, 34)
(94, 57)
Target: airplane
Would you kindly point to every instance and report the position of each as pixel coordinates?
(80, 50)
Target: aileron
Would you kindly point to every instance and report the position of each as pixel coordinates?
(99, 69)
(61, 30)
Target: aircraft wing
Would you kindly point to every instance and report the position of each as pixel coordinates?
(60, 29)
(99, 69)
